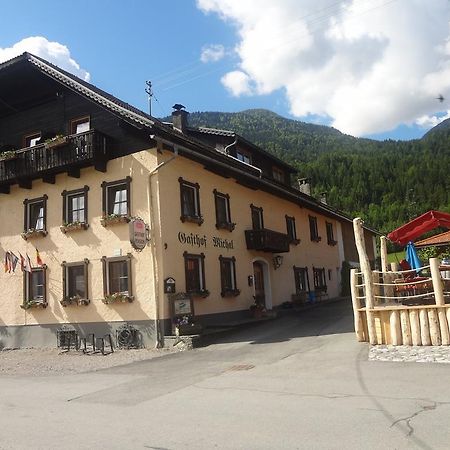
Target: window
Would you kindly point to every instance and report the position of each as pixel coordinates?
(75, 282)
(278, 174)
(194, 266)
(35, 214)
(313, 229)
(330, 235)
(301, 279)
(320, 282)
(75, 206)
(228, 277)
(117, 276)
(223, 216)
(80, 125)
(35, 286)
(243, 156)
(291, 230)
(257, 217)
(190, 202)
(32, 139)
(116, 198)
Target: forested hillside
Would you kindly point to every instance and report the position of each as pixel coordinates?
(384, 182)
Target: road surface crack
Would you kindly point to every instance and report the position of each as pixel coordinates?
(407, 420)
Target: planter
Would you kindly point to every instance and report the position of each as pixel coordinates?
(31, 234)
(56, 142)
(73, 227)
(6, 156)
(33, 304)
(188, 329)
(117, 298)
(112, 220)
(202, 294)
(74, 301)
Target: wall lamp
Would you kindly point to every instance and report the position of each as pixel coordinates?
(277, 261)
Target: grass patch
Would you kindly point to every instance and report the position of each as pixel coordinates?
(396, 257)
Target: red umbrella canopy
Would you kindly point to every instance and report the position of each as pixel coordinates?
(418, 226)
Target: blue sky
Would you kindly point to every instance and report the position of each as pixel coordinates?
(122, 45)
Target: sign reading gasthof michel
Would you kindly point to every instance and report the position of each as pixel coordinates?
(138, 233)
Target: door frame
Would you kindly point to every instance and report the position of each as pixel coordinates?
(267, 283)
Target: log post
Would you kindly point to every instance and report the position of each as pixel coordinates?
(359, 328)
(437, 282)
(415, 327)
(394, 324)
(435, 333)
(383, 254)
(406, 327)
(367, 273)
(443, 326)
(424, 327)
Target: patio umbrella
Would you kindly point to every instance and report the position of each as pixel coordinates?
(412, 257)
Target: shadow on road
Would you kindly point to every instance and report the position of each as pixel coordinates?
(321, 320)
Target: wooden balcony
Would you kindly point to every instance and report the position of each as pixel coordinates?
(68, 154)
(267, 241)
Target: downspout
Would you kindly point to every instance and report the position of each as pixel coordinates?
(152, 222)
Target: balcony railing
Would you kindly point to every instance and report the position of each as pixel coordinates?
(79, 150)
(267, 241)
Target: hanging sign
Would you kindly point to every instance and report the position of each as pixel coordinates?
(138, 233)
(169, 286)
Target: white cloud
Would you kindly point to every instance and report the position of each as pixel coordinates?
(53, 52)
(429, 121)
(369, 65)
(212, 53)
(237, 82)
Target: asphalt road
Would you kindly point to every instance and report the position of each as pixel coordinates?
(301, 381)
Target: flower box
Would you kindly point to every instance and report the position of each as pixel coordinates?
(56, 142)
(74, 226)
(204, 293)
(74, 301)
(33, 304)
(8, 155)
(113, 219)
(117, 298)
(30, 234)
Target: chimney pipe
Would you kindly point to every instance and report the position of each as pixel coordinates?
(179, 118)
(323, 197)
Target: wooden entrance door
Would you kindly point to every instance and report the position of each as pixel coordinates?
(258, 276)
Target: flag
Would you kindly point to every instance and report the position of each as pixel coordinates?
(28, 263)
(38, 258)
(7, 263)
(13, 260)
(22, 262)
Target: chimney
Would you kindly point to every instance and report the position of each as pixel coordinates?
(323, 197)
(179, 117)
(304, 185)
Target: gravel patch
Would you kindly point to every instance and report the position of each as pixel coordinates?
(405, 353)
(58, 362)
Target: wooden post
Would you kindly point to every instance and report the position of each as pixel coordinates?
(424, 327)
(443, 326)
(437, 282)
(435, 333)
(406, 327)
(383, 251)
(359, 329)
(415, 327)
(394, 324)
(367, 273)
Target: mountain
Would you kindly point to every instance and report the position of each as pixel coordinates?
(385, 182)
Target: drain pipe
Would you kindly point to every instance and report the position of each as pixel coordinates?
(152, 222)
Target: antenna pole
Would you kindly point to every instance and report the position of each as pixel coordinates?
(149, 92)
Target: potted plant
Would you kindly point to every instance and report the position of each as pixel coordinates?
(258, 310)
(112, 219)
(185, 325)
(74, 300)
(35, 303)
